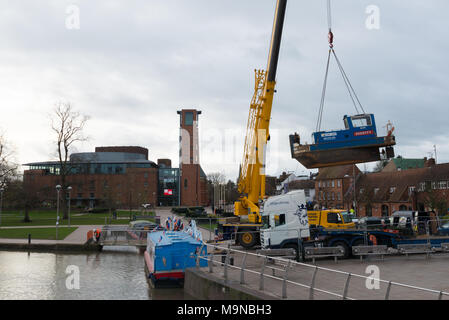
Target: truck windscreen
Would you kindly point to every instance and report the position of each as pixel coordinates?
(347, 217)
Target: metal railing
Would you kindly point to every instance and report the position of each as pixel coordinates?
(288, 278)
(124, 236)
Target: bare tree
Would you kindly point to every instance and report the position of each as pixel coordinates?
(380, 165)
(216, 178)
(68, 126)
(434, 200)
(8, 169)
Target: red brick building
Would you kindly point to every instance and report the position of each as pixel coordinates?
(404, 184)
(120, 177)
(423, 189)
(333, 186)
(123, 177)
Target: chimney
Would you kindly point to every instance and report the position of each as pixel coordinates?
(429, 163)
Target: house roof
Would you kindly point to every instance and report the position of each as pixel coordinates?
(301, 184)
(337, 172)
(400, 181)
(405, 164)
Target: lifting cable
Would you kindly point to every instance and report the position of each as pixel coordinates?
(355, 99)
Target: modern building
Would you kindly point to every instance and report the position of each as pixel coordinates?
(124, 177)
(121, 177)
(168, 184)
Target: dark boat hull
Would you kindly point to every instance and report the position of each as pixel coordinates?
(311, 158)
(337, 157)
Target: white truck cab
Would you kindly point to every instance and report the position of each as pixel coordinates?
(284, 220)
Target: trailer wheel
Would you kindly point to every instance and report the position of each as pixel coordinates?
(357, 243)
(247, 238)
(345, 248)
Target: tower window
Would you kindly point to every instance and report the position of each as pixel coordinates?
(188, 119)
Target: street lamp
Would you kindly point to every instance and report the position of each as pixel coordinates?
(355, 200)
(1, 204)
(58, 188)
(69, 189)
(354, 203)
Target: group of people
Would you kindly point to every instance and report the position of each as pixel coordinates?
(174, 224)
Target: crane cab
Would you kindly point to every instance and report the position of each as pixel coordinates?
(358, 129)
(357, 143)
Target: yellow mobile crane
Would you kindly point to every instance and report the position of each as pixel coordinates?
(251, 184)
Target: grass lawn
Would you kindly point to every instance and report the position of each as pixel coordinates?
(36, 233)
(48, 218)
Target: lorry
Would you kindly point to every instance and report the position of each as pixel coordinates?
(283, 209)
(287, 224)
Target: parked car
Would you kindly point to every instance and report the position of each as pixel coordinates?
(444, 229)
(370, 223)
(143, 225)
(146, 205)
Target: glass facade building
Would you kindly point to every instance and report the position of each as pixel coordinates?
(168, 187)
(90, 168)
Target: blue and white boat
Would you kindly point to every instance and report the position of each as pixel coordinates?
(357, 143)
(169, 253)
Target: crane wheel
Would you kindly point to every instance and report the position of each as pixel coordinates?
(247, 238)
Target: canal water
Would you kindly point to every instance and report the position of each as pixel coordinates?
(113, 274)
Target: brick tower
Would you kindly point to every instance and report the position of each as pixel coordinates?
(193, 179)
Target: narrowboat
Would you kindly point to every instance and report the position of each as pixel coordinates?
(169, 253)
(357, 143)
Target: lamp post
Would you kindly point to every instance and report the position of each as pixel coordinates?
(58, 188)
(355, 201)
(1, 204)
(69, 189)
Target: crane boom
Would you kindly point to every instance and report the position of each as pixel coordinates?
(252, 170)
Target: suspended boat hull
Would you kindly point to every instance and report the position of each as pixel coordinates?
(320, 156)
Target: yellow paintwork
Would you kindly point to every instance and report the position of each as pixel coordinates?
(251, 184)
(319, 218)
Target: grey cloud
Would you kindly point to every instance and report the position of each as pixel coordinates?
(134, 63)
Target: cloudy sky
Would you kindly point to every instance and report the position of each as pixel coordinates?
(132, 64)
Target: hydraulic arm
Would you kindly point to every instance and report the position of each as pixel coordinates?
(252, 170)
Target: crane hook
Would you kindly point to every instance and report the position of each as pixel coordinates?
(331, 39)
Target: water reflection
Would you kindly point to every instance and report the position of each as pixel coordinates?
(116, 273)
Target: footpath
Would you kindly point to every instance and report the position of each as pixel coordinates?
(76, 241)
